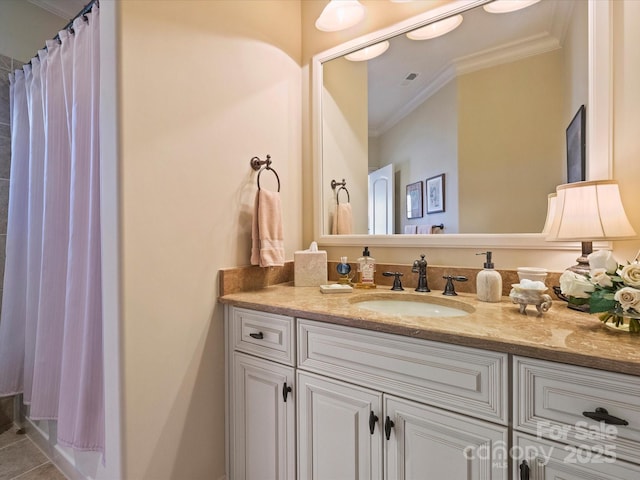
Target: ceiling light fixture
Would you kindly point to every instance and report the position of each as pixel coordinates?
(436, 29)
(506, 6)
(367, 53)
(340, 15)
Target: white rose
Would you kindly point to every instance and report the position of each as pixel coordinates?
(628, 298)
(631, 274)
(575, 285)
(599, 277)
(603, 259)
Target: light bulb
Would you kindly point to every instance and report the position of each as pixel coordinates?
(368, 53)
(436, 29)
(340, 15)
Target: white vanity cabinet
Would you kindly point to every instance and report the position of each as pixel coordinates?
(539, 459)
(261, 401)
(318, 401)
(378, 406)
(351, 432)
(339, 430)
(575, 422)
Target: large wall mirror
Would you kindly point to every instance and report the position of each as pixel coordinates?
(486, 104)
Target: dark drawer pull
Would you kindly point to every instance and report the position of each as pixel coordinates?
(524, 470)
(257, 336)
(601, 415)
(373, 418)
(286, 390)
(388, 425)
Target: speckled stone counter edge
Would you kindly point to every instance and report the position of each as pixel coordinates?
(559, 335)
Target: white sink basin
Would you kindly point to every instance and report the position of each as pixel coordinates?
(413, 305)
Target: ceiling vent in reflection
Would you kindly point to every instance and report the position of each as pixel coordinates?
(408, 79)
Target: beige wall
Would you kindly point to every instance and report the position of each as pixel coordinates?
(576, 62)
(510, 119)
(24, 28)
(626, 110)
(422, 145)
(204, 87)
(345, 138)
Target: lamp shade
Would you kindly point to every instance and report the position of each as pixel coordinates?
(340, 15)
(551, 212)
(589, 211)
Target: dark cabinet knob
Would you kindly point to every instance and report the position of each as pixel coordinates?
(372, 422)
(524, 470)
(286, 389)
(601, 415)
(257, 336)
(388, 425)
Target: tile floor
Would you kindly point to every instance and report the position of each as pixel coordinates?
(21, 459)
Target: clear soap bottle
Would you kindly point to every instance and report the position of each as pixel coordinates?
(366, 270)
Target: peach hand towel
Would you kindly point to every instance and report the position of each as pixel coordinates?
(342, 220)
(425, 229)
(410, 229)
(267, 243)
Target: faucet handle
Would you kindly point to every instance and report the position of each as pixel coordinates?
(449, 288)
(397, 284)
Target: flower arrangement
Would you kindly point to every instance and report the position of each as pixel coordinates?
(610, 289)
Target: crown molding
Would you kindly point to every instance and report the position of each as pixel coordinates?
(508, 52)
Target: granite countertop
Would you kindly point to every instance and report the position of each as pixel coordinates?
(560, 334)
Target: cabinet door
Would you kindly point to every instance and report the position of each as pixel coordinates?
(263, 422)
(538, 459)
(424, 442)
(336, 421)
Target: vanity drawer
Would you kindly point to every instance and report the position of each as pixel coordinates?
(262, 334)
(551, 461)
(459, 379)
(550, 398)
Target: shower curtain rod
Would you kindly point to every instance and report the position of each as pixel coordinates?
(81, 13)
(84, 11)
(69, 26)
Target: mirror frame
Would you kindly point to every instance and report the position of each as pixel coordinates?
(599, 132)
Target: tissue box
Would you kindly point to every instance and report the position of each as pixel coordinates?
(309, 268)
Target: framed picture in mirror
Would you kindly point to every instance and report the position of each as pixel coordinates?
(414, 200)
(435, 194)
(576, 147)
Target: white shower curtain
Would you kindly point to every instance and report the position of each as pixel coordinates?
(51, 322)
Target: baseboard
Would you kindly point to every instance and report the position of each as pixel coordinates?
(56, 453)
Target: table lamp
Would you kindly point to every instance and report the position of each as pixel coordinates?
(587, 212)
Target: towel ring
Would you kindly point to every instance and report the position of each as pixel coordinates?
(274, 172)
(256, 164)
(338, 195)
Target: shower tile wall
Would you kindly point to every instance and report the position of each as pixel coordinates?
(6, 66)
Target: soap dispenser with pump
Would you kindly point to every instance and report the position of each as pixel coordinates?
(488, 282)
(366, 270)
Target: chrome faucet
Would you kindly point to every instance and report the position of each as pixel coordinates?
(420, 267)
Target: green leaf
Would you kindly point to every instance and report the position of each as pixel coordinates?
(601, 301)
(577, 301)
